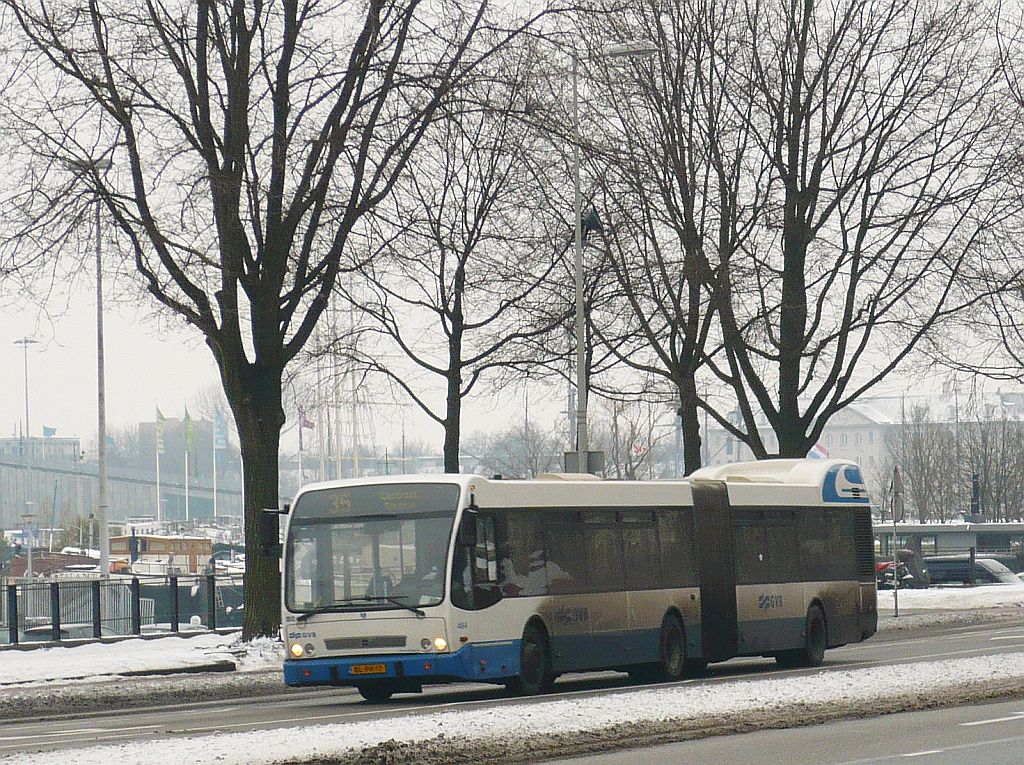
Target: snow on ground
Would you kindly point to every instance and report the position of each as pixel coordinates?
(46, 665)
(961, 598)
(563, 716)
(35, 670)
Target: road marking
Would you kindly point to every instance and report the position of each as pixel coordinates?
(1008, 637)
(1011, 718)
(80, 731)
(924, 753)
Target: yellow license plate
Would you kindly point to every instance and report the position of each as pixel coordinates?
(369, 669)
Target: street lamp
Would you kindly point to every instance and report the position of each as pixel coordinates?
(632, 49)
(96, 166)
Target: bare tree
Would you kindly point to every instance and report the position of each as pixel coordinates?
(468, 252)
(247, 140)
(879, 145)
(925, 450)
(834, 173)
(675, 193)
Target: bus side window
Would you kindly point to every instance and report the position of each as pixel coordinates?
(486, 551)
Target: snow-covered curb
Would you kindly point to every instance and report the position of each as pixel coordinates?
(530, 726)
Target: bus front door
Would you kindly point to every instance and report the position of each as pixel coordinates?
(716, 569)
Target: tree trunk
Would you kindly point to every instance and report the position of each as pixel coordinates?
(259, 415)
(453, 424)
(689, 417)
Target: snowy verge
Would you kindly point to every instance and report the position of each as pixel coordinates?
(960, 598)
(78, 662)
(542, 728)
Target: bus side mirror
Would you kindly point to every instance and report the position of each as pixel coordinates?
(467, 530)
(268, 530)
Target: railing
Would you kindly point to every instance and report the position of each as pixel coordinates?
(63, 609)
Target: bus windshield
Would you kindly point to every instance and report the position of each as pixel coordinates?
(362, 548)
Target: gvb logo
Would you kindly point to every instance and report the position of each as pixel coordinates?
(766, 601)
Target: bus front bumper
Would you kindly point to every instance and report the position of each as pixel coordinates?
(480, 663)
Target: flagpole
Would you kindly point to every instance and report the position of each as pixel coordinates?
(301, 476)
(186, 487)
(215, 417)
(159, 515)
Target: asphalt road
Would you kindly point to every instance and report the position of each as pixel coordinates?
(328, 705)
(986, 734)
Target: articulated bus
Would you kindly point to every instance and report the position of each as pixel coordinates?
(394, 583)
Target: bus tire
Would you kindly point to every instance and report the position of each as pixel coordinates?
(375, 693)
(815, 642)
(671, 649)
(535, 674)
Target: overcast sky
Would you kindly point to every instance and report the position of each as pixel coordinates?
(144, 369)
(148, 366)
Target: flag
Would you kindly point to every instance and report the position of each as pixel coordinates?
(818, 452)
(189, 431)
(304, 422)
(220, 431)
(49, 432)
(161, 423)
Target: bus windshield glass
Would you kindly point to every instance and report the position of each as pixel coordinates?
(362, 548)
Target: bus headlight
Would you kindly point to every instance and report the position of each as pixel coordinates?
(296, 651)
(440, 644)
(425, 644)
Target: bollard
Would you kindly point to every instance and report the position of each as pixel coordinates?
(97, 627)
(211, 601)
(55, 612)
(12, 613)
(136, 607)
(175, 608)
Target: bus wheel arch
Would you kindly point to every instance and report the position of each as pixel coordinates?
(535, 672)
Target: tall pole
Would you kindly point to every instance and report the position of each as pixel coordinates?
(101, 413)
(582, 441)
(26, 455)
(216, 422)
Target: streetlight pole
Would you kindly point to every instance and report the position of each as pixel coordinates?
(582, 436)
(101, 395)
(634, 49)
(25, 342)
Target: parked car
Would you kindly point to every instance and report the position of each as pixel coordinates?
(956, 570)
(42, 633)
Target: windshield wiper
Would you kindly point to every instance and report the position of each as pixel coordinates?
(360, 598)
(397, 602)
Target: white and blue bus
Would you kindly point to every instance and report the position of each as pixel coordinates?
(394, 583)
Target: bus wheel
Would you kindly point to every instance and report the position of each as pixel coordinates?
(376, 693)
(672, 649)
(534, 664)
(815, 641)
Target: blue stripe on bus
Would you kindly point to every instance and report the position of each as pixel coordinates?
(490, 661)
(481, 662)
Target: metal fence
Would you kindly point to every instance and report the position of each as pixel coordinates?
(60, 609)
